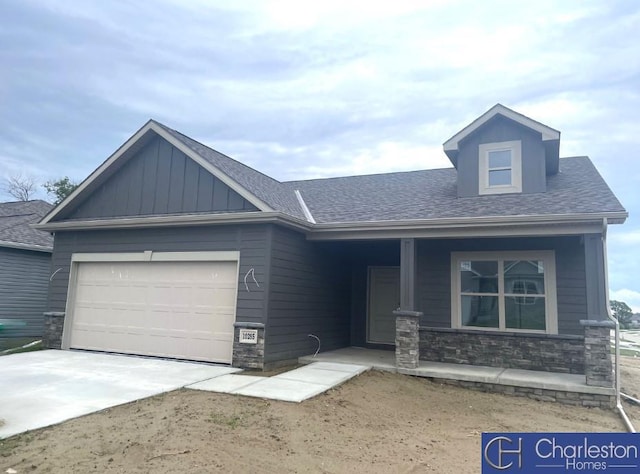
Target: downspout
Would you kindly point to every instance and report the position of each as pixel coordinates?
(619, 406)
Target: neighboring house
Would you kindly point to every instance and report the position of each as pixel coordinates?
(25, 261)
(172, 249)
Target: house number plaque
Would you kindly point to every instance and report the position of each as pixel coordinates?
(248, 336)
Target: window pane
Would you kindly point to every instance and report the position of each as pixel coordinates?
(481, 311)
(500, 159)
(499, 177)
(525, 312)
(524, 277)
(478, 277)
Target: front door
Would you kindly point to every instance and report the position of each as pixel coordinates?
(384, 298)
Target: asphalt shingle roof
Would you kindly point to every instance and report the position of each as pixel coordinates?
(15, 220)
(431, 194)
(427, 194)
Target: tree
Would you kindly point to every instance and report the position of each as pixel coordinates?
(20, 187)
(60, 188)
(622, 313)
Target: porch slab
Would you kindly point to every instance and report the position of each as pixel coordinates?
(378, 359)
(536, 380)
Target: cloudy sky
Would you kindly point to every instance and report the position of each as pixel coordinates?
(312, 89)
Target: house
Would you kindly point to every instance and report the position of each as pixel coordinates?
(25, 260)
(172, 249)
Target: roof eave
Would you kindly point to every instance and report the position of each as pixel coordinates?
(176, 220)
(488, 226)
(22, 246)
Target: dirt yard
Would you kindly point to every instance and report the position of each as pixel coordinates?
(378, 422)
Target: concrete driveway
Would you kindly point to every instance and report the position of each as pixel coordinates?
(43, 388)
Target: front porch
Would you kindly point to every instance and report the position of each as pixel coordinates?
(545, 386)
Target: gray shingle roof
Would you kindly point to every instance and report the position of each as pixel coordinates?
(15, 220)
(431, 194)
(428, 194)
(265, 188)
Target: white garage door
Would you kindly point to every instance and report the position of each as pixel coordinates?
(175, 309)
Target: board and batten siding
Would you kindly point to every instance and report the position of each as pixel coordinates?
(308, 294)
(158, 180)
(24, 278)
(434, 276)
(250, 240)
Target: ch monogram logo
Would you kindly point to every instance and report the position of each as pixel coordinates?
(503, 443)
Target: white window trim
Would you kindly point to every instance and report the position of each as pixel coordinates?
(516, 168)
(551, 305)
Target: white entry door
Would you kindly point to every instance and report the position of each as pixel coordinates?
(384, 298)
(178, 309)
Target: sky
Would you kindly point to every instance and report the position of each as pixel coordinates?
(317, 89)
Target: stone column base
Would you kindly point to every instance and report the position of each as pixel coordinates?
(597, 352)
(53, 326)
(248, 345)
(407, 339)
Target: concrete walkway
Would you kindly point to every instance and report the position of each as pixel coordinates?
(293, 386)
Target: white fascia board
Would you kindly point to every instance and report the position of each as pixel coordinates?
(547, 133)
(150, 125)
(254, 217)
(263, 206)
(20, 246)
(466, 227)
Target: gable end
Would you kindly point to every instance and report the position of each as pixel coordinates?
(158, 179)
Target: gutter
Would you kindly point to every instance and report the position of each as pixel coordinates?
(21, 246)
(567, 224)
(619, 406)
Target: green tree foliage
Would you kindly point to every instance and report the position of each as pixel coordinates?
(622, 313)
(60, 189)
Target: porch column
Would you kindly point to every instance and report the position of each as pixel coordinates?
(408, 274)
(594, 273)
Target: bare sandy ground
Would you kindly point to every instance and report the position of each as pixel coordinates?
(378, 422)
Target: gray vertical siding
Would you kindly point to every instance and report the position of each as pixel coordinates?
(24, 277)
(308, 294)
(500, 129)
(250, 240)
(434, 276)
(158, 179)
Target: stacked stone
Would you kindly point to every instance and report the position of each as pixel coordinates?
(597, 352)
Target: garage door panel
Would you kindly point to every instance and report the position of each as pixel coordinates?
(169, 309)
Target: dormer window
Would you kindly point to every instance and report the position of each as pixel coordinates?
(500, 167)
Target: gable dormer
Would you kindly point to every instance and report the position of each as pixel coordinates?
(503, 152)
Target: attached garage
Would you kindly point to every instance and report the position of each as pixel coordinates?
(168, 304)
